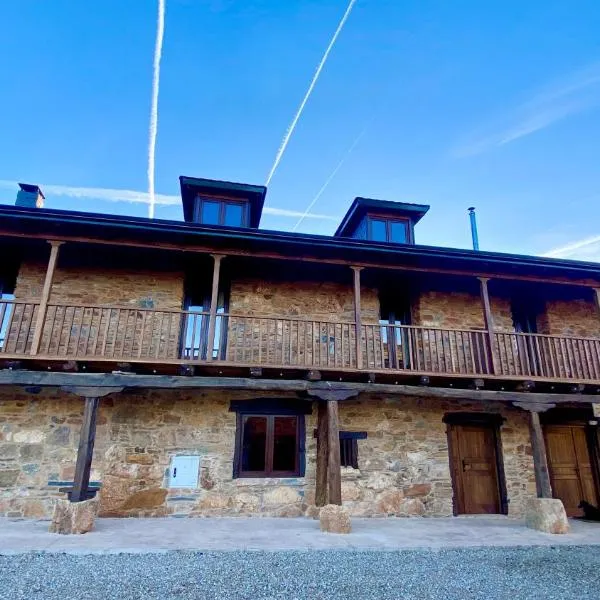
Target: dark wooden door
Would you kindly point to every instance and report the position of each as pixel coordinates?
(570, 466)
(474, 469)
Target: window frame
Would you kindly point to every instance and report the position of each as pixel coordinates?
(388, 228)
(223, 202)
(270, 410)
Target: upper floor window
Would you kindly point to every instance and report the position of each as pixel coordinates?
(221, 211)
(388, 230)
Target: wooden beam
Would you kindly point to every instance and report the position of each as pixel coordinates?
(91, 391)
(43, 306)
(597, 299)
(489, 324)
(334, 468)
(10, 377)
(85, 450)
(332, 393)
(587, 283)
(357, 316)
(214, 300)
(321, 488)
(540, 461)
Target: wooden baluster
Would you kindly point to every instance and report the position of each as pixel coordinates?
(411, 353)
(89, 332)
(290, 342)
(18, 327)
(382, 349)
(51, 329)
(373, 332)
(105, 334)
(451, 335)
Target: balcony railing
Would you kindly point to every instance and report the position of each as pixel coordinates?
(120, 333)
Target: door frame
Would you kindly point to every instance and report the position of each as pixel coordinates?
(494, 422)
(579, 416)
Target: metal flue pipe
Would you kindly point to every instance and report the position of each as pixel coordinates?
(474, 235)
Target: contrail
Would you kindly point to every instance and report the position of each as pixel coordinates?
(160, 32)
(138, 197)
(330, 178)
(290, 130)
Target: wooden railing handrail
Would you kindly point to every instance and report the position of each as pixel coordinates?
(423, 327)
(12, 301)
(547, 335)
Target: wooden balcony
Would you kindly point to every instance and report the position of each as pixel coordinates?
(121, 334)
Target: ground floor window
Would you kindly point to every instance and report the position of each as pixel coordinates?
(269, 440)
(349, 447)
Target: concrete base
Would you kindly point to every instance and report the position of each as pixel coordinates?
(335, 519)
(74, 517)
(546, 514)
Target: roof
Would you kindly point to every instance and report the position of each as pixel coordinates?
(361, 206)
(62, 224)
(192, 186)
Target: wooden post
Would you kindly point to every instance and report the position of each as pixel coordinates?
(334, 469)
(357, 316)
(85, 451)
(489, 324)
(322, 455)
(42, 308)
(87, 436)
(597, 298)
(214, 299)
(540, 461)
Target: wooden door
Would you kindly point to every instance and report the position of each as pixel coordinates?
(570, 466)
(474, 469)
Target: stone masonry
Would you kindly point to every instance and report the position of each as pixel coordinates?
(403, 463)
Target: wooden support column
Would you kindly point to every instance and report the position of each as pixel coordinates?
(322, 455)
(85, 451)
(538, 447)
(357, 316)
(328, 488)
(87, 437)
(43, 307)
(214, 299)
(489, 325)
(334, 468)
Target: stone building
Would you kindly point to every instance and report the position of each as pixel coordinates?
(209, 367)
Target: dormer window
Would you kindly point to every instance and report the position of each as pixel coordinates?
(221, 211)
(221, 203)
(381, 221)
(380, 229)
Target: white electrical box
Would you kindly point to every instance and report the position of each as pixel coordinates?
(183, 472)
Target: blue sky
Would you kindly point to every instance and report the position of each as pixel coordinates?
(493, 104)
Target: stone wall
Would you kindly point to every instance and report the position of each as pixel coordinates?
(327, 339)
(403, 463)
(77, 331)
(576, 317)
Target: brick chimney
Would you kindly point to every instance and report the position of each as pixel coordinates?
(30, 196)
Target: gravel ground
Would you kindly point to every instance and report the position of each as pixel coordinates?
(515, 573)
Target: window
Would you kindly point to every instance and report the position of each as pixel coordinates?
(379, 230)
(395, 311)
(389, 230)
(194, 335)
(217, 211)
(349, 447)
(269, 439)
(6, 311)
